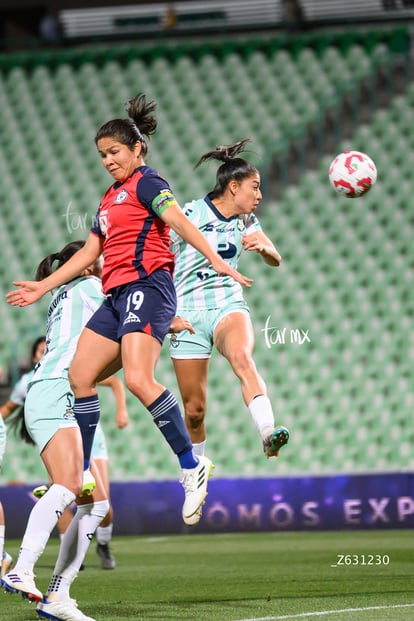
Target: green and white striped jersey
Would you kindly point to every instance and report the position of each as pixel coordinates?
(198, 286)
(71, 307)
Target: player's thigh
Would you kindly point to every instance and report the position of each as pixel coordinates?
(66, 470)
(192, 378)
(140, 353)
(234, 333)
(94, 355)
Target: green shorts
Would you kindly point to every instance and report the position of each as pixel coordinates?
(48, 407)
(99, 449)
(200, 345)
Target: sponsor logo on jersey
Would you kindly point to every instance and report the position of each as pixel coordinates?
(203, 274)
(218, 228)
(55, 302)
(121, 197)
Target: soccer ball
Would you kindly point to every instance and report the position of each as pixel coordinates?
(352, 173)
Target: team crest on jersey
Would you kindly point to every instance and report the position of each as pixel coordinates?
(240, 223)
(121, 197)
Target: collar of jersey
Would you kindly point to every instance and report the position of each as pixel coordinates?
(216, 211)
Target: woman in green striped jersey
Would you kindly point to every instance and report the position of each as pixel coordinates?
(52, 426)
(213, 305)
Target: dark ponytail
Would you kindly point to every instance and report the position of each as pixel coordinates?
(18, 424)
(140, 124)
(233, 167)
(46, 266)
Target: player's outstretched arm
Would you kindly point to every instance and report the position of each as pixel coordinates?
(29, 291)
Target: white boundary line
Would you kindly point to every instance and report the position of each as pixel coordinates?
(321, 613)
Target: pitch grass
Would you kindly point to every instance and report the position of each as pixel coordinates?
(233, 577)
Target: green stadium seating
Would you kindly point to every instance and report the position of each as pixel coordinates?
(346, 276)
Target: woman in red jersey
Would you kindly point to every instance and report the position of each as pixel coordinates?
(132, 230)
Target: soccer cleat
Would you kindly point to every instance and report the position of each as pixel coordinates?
(194, 519)
(23, 583)
(274, 441)
(6, 563)
(106, 556)
(194, 482)
(89, 483)
(40, 491)
(63, 610)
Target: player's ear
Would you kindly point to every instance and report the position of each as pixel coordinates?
(138, 148)
(233, 186)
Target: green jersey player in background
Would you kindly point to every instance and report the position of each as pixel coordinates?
(211, 310)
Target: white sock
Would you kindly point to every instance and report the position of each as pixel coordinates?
(261, 411)
(199, 448)
(74, 547)
(104, 534)
(42, 521)
(2, 535)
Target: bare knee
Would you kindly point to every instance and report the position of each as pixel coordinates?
(73, 484)
(79, 382)
(140, 386)
(194, 414)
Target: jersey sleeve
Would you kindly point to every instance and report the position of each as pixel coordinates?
(96, 225)
(90, 291)
(155, 193)
(252, 224)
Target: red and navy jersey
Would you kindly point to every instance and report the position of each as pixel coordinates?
(136, 239)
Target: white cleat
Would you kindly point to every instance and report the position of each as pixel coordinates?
(22, 582)
(194, 482)
(63, 610)
(194, 519)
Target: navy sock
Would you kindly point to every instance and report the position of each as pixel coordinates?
(87, 413)
(167, 416)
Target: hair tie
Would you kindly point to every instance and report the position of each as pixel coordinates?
(136, 128)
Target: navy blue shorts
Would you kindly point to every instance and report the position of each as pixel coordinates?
(145, 305)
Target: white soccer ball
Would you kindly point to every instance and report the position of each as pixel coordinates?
(352, 173)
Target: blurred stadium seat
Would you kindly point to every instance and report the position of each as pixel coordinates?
(347, 273)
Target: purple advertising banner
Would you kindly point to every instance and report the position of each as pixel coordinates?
(372, 501)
